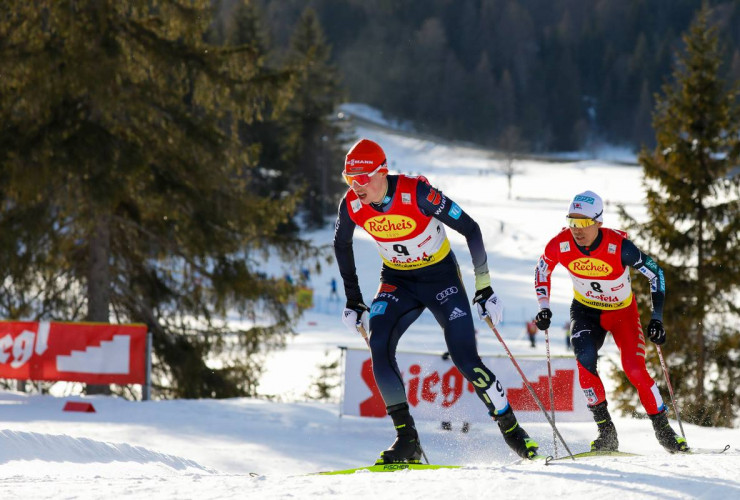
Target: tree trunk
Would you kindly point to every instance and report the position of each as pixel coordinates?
(701, 307)
(98, 282)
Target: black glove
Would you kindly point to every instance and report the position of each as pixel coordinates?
(656, 332)
(482, 295)
(357, 306)
(542, 320)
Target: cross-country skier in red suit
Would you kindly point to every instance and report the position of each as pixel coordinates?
(598, 260)
(406, 217)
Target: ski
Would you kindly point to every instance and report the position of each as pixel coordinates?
(388, 468)
(405, 466)
(591, 454)
(708, 451)
(548, 459)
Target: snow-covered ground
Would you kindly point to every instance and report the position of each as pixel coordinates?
(245, 448)
(256, 448)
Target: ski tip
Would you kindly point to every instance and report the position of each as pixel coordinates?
(533, 458)
(707, 451)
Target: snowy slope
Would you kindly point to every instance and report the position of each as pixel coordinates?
(255, 448)
(207, 449)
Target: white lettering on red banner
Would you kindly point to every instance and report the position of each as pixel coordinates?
(93, 353)
(436, 390)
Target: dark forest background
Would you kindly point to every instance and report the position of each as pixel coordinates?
(559, 74)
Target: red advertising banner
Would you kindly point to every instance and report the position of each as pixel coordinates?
(93, 353)
(436, 390)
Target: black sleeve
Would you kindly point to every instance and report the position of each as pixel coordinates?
(344, 228)
(633, 257)
(432, 201)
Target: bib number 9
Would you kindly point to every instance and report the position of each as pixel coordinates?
(400, 249)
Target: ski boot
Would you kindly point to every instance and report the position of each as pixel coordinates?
(516, 437)
(607, 439)
(406, 448)
(667, 438)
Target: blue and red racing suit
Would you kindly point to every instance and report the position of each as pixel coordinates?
(604, 302)
(419, 271)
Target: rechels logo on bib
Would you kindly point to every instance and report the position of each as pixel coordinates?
(390, 226)
(590, 267)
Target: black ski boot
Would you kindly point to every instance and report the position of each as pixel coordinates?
(607, 440)
(516, 437)
(406, 448)
(667, 438)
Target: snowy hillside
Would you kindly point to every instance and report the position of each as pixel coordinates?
(255, 448)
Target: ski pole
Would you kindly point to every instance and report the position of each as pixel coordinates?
(362, 331)
(549, 383)
(528, 385)
(670, 389)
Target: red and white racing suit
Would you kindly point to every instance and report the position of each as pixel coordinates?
(604, 302)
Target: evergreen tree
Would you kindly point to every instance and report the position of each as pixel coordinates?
(126, 192)
(311, 135)
(642, 132)
(693, 202)
(507, 110)
(427, 74)
(482, 90)
(325, 384)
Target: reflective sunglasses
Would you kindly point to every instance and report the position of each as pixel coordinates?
(579, 223)
(361, 179)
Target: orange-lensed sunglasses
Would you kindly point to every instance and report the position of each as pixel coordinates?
(362, 179)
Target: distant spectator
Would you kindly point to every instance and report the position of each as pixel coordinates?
(532, 332)
(333, 286)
